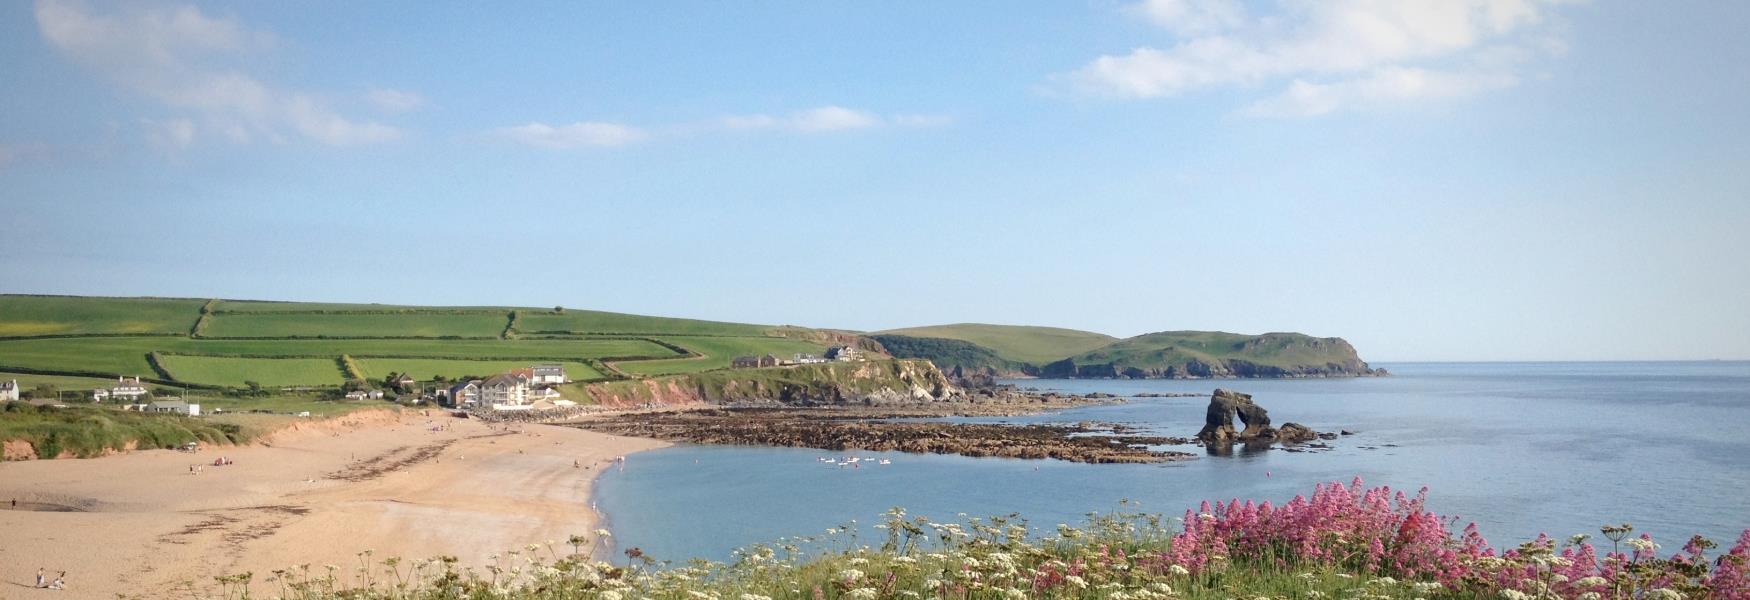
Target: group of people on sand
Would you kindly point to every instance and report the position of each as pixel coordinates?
(42, 582)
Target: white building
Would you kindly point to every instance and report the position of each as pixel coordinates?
(174, 406)
(461, 394)
(548, 374)
(8, 390)
(844, 353)
(505, 390)
(124, 389)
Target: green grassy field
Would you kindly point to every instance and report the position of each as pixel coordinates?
(63, 315)
(423, 368)
(1036, 345)
(589, 321)
(265, 306)
(280, 404)
(718, 351)
(27, 381)
(484, 325)
(252, 340)
(269, 372)
(127, 355)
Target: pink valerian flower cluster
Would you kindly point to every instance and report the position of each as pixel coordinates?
(1384, 532)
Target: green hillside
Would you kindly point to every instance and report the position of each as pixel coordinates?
(73, 315)
(223, 343)
(1020, 343)
(1177, 354)
(949, 354)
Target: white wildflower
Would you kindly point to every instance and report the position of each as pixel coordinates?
(1590, 596)
(755, 597)
(1511, 594)
(858, 561)
(850, 575)
(1076, 581)
(1178, 570)
(862, 593)
(1592, 581)
(1643, 545)
(1664, 594)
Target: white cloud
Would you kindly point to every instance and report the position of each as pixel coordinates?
(832, 118)
(1338, 51)
(192, 62)
(1191, 17)
(574, 135)
(814, 120)
(174, 133)
(394, 100)
(922, 120)
(1386, 86)
(819, 120)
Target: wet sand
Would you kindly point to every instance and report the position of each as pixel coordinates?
(141, 524)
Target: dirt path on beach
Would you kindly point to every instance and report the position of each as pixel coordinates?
(142, 525)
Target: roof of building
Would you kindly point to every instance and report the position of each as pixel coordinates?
(511, 378)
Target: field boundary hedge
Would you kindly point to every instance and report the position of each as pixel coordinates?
(200, 323)
(350, 370)
(152, 360)
(104, 375)
(65, 336)
(410, 311)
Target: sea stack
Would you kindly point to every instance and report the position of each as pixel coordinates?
(1218, 424)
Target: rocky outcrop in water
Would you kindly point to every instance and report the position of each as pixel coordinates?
(1226, 405)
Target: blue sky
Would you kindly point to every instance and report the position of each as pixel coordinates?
(1433, 180)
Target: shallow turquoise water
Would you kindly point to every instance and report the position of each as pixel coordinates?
(1519, 448)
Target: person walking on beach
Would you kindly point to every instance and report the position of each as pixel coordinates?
(39, 577)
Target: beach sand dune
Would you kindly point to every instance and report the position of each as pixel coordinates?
(141, 524)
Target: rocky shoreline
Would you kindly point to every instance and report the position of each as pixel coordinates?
(874, 430)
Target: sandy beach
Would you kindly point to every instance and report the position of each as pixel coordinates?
(142, 524)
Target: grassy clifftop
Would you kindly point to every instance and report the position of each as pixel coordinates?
(1021, 343)
(1177, 354)
(1053, 352)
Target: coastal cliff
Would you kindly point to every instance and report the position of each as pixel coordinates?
(868, 383)
(1213, 354)
(1161, 355)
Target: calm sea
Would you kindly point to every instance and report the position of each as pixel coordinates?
(1518, 448)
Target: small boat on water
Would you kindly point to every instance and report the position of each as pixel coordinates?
(884, 462)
